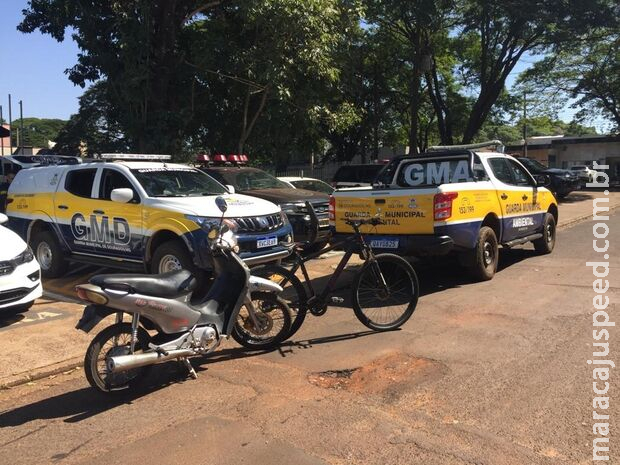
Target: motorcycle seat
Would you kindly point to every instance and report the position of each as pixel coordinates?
(170, 284)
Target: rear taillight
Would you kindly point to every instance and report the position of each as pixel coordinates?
(442, 205)
(332, 209)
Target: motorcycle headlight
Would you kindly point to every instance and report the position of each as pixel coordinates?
(25, 257)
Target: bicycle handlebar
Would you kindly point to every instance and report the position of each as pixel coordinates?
(374, 221)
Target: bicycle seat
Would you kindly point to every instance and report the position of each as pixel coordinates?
(170, 284)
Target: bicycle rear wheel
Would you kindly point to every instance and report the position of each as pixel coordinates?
(384, 307)
(294, 293)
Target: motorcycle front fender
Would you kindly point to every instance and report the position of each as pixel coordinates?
(262, 284)
(91, 317)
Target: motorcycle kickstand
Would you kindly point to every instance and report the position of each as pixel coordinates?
(189, 367)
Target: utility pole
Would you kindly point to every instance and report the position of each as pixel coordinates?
(21, 126)
(1, 138)
(525, 124)
(10, 128)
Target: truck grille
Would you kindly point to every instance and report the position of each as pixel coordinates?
(254, 224)
(321, 213)
(6, 297)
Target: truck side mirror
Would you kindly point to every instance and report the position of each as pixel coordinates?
(121, 195)
(231, 188)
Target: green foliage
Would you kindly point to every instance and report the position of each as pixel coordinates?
(587, 72)
(37, 131)
(287, 79)
(95, 128)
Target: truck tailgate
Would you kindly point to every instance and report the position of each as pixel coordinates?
(405, 211)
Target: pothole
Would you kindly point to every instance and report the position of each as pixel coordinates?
(383, 374)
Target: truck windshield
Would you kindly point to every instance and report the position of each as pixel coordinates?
(176, 182)
(252, 179)
(533, 165)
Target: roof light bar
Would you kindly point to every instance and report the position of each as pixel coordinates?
(491, 143)
(134, 156)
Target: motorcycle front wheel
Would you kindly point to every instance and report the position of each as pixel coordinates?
(270, 326)
(112, 341)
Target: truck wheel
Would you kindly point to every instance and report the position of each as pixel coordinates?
(49, 254)
(172, 256)
(545, 244)
(486, 255)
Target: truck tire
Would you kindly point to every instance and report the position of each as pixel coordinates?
(545, 244)
(49, 254)
(486, 255)
(170, 256)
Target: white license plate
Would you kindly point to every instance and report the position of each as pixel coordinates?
(266, 242)
(384, 244)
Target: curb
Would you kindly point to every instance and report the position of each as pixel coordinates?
(43, 372)
(583, 218)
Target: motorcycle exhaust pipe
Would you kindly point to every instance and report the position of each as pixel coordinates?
(129, 362)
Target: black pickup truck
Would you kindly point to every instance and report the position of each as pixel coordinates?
(259, 183)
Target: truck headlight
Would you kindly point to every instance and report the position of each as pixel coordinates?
(293, 208)
(205, 222)
(284, 218)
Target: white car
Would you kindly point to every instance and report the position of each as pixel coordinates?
(20, 276)
(585, 173)
(310, 184)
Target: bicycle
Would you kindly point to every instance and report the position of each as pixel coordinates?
(388, 278)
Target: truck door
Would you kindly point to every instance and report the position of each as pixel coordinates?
(72, 209)
(516, 193)
(120, 234)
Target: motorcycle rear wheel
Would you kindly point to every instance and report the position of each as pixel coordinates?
(274, 317)
(111, 341)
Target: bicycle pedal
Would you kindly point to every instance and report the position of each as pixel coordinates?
(337, 300)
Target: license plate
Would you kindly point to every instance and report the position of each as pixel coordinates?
(384, 243)
(323, 222)
(266, 242)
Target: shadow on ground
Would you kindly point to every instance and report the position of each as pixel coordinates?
(85, 403)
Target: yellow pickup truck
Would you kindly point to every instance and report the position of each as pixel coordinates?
(452, 201)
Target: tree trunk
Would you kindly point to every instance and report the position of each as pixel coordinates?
(414, 103)
(247, 128)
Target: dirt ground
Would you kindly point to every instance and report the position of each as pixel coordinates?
(484, 373)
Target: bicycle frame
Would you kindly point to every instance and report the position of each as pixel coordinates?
(350, 245)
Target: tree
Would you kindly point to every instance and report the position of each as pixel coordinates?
(37, 131)
(254, 56)
(95, 129)
(136, 47)
(412, 23)
(587, 72)
(491, 38)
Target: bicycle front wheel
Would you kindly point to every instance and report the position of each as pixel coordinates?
(385, 292)
(293, 294)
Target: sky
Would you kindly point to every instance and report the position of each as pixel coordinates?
(33, 70)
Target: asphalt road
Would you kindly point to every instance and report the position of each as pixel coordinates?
(483, 373)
